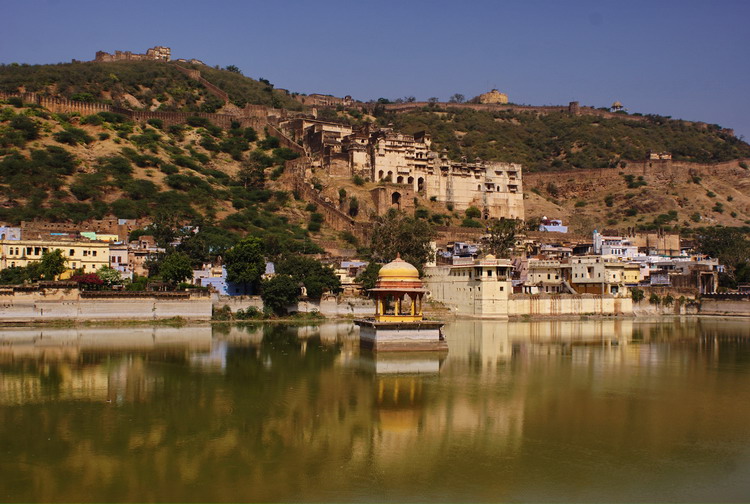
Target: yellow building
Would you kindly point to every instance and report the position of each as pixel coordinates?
(398, 324)
(86, 255)
(493, 96)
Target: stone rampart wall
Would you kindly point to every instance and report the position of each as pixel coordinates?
(67, 304)
(285, 141)
(61, 105)
(545, 306)
(737, 305)
(196, 75)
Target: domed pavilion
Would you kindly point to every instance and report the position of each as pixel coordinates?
(398, 324)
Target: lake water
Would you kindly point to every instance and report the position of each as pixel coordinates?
(552, 411)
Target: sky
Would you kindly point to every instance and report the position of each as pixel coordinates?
(686, 59)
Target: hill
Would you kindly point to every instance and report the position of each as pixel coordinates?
(561, 141)
(146, 85)
(60, 167)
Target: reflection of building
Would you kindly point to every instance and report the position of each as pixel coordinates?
(65, 364)
(399, 324)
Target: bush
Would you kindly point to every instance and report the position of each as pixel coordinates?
(654, 299)
(609, 200)
(72, 136)
(156, 123)
(358, 181)
(580, 204)
(668, 300)
(473, 213)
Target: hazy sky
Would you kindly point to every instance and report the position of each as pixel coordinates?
(686, 59)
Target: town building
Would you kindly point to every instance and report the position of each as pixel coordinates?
(88, 256)
(473, 287)
(552, 225)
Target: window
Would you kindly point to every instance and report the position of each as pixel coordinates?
(72, 252)
(93, 253)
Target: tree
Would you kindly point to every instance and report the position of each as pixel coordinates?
(233, 69)
(245, 262)
(251, 174)
(279, 292)
(457, 98)
(52, 264)
(395, 233)
(502, 237)
(369, 276)
(175, 268)
(473, 212)
(109, 276)
(316, 277)
(730, 246)
(637, 295)
(433, 100)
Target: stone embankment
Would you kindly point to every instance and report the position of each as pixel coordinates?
(32, 304)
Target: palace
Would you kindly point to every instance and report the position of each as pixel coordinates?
(383, 155)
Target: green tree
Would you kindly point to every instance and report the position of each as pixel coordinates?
(502, 237)
(245, 262)
(395, 233)
(315, 276)
(52, 264)
(369, 276)
(175, 268)
(110, 276)
(279, 292)
(637, 295)
(731, 246)
(473, 212)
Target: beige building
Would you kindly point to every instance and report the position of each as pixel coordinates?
(386, 156)
(472, 287)
(86, 255)
(493, 96)
(596, 275)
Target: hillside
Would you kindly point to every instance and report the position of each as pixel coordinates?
(61, 167)
(147, 85)
(562, 141)
(675, 196)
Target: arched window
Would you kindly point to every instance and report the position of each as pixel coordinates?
(420, 184)
(396, 200)
(400, 180)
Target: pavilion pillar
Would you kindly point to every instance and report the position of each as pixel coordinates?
(413, 305)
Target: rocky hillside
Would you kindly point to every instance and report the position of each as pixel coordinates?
(678, 196)
(61, 167)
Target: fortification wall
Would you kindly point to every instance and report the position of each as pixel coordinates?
(566, 304)
(333, 217)
(196, 75)
(285, 141)
(62, 105)
(726, 305)
(68, 304)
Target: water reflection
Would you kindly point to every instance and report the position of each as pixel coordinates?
(615, 410)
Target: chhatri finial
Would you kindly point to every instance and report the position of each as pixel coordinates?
(398, 256)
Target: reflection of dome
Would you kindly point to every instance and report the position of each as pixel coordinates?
(399, 420)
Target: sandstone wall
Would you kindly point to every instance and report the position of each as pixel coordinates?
(68, 304)
(726, 305)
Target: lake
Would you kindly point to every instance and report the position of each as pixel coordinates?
(548, 411)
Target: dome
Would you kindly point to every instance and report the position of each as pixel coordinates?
(398, 270)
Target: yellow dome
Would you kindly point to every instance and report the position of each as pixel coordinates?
(398, 270)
